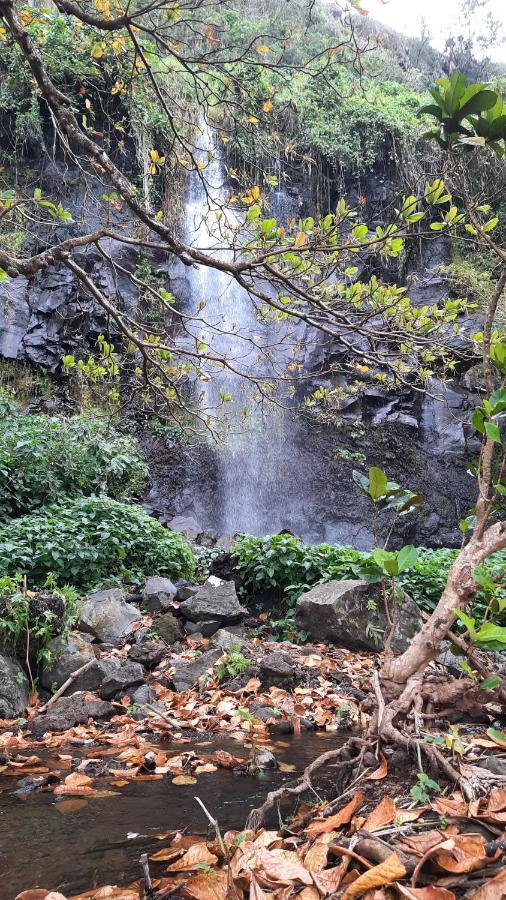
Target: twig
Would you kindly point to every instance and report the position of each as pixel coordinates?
(66, 684)
(148, 884)
(161, 715)
(379, 698)
(214, 823)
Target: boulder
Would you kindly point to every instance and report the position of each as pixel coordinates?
(187, 673)
(67, 655)
(276, 670)
(227, 637)
(13, 688)
(185, 589)
(215, 599)
(168, 627)
(339, 612)
(69, 711)
(148, 653)
(108, 677)
(158, 594)
(107, 616)
(186, 525)
(206, 629)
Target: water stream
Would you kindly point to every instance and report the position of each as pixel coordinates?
(100, 841)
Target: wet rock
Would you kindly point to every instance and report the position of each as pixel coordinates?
(158, 594)
(266, 760)
(168, 628)
(185, 590)
(186, 525)
(107, 616)
(148, 653)
(67, 655)
(276, 670)
(141, 695)
(494, 764)
(338, 611)
(13, 688)
(215, 599)
(265, 713)
(69, 711)
(223, 566)
(206, 629)
(228, 637)
(108, 677)
(186, 673)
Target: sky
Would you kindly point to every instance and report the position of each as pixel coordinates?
(441, 16)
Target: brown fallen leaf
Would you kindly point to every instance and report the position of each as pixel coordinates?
(286, 767)
(495, 889)
(184, 779)
(35, 894)
(330, 880)
(196, 855)
(431, 892)
(343, 817)
(167, 854)
(74, 804)
(206, 767)
(208, 886)
(496, 801)
(76, 783)
(462, 853)
(380, 772)
(384, 814)
(316, 857)
(391, 869)
(450, 806)
(284, 871)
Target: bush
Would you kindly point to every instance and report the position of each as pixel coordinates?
(30, 620)
(283, 562)
(89, 541)
(43, 458)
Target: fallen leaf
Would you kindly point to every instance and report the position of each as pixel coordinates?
(167, 854)
(286, 767)
(391, 869)
(196, 855)
(426, 893)
(384, 814)
(496, 801)
(316, 857)
(282, 870)
(70, 806)
(495, 889)
(208, 886)
(450, 806)
(380, 772)
(342, 817)
(498, 737)
(206, 767)
(184, 779)
(35, 894)
(463, 853)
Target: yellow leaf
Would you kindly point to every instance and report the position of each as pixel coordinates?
(262, 49)
(301, 239)
(253, 120)
(267, 106)
(255, 192)
(391, 869)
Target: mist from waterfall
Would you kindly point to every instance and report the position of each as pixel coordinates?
(256, 448)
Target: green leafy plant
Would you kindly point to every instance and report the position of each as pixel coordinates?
(425, 786)
(467, 114)
(232, 663)
(92, 540)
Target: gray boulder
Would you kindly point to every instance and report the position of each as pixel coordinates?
(13, 688)
(168, 628)
(227, 637)
(186, 674)
(148, 653)
(70, 711)
(158, 594)
(338, 611)
(276, 670)
(107, 616)
(186, 525)
(206, 629)
(108, 677)
(215, 599)
(67, 655)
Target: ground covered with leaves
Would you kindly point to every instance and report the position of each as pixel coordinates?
(388, 830)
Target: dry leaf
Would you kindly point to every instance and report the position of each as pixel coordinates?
(426, 893)
(316, 857)
(384, 814)
(282, 870)
(208, 886)
(495, 889)
(340, 818)
(286, 767)
(464, 853)
(184, 779)
(70, 806)
(380, 772)
(391, 869)
(196, 855)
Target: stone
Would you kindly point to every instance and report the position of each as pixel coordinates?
(206, 629)
(338, 612)
(158, 594)
(266, 760)
(142, 694)
(168, 628)
(227, 637)
(108, 677)
(185, 590)
(186, 525)
(69, 711)
(265, 713)
(148, 653)
(215, 599)
(107, 616)
(13, 688)
(187, 673)
(67, 655)
(276, 670)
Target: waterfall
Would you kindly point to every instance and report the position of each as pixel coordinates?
(254, 445)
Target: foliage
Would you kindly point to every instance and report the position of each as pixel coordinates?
(284, 563)
(468, 114)
(424, 787)
(90, 540)
(32, 620)
(43, 458)
(232, 663)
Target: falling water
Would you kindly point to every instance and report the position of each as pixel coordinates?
(256, 450)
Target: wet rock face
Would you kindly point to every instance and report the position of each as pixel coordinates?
(13, 688)
(67, 655)
(69, 711)
(342, 612)
(107, 616)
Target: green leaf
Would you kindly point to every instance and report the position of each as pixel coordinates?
(377, 483)
(407, 557)
(489, 684)
(499, 737)
(492, 431)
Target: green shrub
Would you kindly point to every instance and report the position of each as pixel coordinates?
(30, 620)
(283, 562)
(43, 458)
(88, 541)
